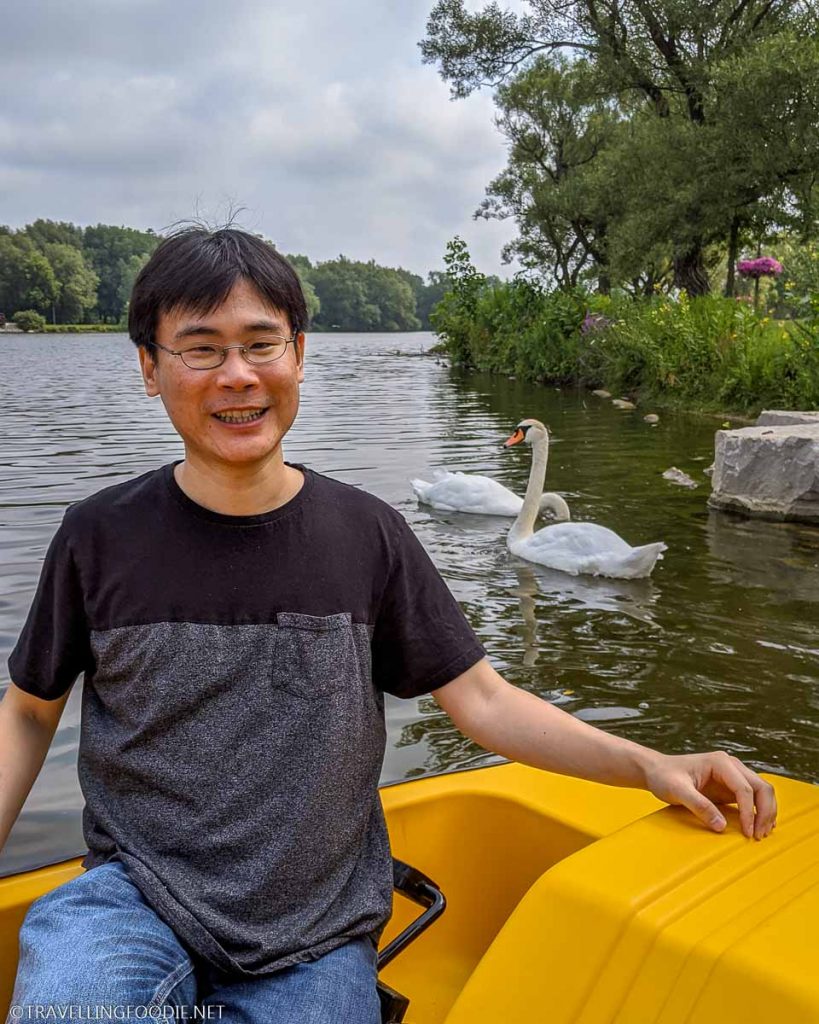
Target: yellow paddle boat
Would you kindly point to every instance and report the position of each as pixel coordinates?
(559, 900)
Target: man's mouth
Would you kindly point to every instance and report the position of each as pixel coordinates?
(240, 415)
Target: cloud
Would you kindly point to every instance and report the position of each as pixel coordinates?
(320, 120)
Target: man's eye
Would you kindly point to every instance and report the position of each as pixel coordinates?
(202, 350)
(264, 346)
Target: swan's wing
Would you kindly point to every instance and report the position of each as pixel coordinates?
(468, 492)
(580, 539)
(588, 549)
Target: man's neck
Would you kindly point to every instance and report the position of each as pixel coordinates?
(239, 490)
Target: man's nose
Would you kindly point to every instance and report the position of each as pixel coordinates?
(236, 371)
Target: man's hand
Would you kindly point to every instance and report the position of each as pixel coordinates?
(701, 781)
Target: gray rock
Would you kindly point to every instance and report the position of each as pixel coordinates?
(601, 393)
(676, 476)
(768, 471)
(784, 418)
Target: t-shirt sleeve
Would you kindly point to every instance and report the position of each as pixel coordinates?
(54, 645)
(421, 639)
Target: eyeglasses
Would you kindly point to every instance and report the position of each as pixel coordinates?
(264, 349)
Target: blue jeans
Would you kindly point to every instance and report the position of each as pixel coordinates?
(95, 942)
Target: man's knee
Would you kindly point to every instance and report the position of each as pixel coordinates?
(88, 944)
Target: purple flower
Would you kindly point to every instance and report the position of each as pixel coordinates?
(594, 322)
(762, 266)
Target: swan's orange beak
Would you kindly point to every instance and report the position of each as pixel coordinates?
(516, 438)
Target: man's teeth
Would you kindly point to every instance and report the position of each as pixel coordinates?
(239, 417)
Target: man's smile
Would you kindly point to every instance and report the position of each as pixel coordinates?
(240, 416)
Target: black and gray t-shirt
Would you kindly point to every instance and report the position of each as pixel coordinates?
(233, 712)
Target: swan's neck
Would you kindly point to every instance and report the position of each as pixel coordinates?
(523, 526)
(557, 506)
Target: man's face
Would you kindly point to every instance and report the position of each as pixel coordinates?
(192, 398)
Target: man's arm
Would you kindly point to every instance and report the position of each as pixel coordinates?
(517, 725)
(27, 726)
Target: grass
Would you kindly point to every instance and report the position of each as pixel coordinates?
(84, 329)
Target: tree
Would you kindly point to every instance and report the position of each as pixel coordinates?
(111, 251)
(12, 278)
(363, 297)
(76, 283)
(303, 267)
(556, 125)
(26, 277)
(664, 60)
(51, 232)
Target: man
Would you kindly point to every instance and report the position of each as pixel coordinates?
(238, 620)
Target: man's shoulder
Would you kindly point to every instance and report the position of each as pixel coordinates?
(351, 501)
(127, 495)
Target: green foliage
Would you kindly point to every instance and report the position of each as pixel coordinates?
(454, 315)
(356, 296)
(85, 328)
(303, 267)
(80, 276)
(117, 254)
(50, 232)
(708, 352)
(76, 282)
(793, 292)
(29, 320)
(556, 122)
(69, 273)
(677, 129)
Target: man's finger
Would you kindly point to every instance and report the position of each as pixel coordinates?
(700, 806)
(744, 795)
(765, 801)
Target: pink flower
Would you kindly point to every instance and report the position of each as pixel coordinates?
(594, 322)
(762, 266)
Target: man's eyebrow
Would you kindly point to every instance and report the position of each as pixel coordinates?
(192, 330)
(266, 325)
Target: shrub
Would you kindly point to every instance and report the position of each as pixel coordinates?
(29, 320)
(709, 352)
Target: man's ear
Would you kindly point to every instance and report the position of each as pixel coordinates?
(298, 345)
(147, 363)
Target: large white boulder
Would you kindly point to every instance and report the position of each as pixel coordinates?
(785, 417)
(770, 471)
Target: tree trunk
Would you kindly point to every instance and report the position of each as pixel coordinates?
(733, 251)
(689, 272)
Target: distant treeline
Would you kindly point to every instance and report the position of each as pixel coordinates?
(75, 275)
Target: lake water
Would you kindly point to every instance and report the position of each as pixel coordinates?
(719, 649)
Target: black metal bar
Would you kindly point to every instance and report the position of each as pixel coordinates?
(419, 888)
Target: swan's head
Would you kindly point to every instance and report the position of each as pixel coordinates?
(529, 431)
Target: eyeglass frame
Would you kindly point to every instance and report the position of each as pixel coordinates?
(226, 348)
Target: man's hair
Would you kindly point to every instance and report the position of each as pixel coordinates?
(195, 269)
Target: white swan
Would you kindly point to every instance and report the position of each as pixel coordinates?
(576, 548)
(470, 492)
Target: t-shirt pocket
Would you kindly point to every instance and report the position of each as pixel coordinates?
(314, 655)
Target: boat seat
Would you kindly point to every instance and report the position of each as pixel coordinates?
(664, 922)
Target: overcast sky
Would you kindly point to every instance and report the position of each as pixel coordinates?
(317, 116)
